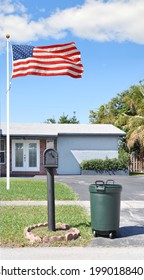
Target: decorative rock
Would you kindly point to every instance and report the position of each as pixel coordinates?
(45, 224)
(76, 231)
(34, 238)
(69, 236)
(46, 239)
(75, 236)
(28, 235)
(40, 225)
(32, 227)
(61, 238)
(63, 226)
(72, 233)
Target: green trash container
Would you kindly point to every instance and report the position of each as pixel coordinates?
(105, 208)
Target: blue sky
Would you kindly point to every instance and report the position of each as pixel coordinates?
(109, 35)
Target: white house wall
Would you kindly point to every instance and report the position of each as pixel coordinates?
(73, 149)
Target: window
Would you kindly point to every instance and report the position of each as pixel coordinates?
(2, 151)
(32, 154)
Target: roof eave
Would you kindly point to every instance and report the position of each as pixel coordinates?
(90, 134)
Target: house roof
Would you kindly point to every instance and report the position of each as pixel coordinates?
(47, 130)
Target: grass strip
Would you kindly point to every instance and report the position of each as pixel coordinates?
(13, 220)
(29, 189)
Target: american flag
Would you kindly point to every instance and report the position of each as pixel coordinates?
(62, 59)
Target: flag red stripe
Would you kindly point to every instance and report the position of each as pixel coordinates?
(47, 56)
(52, 73)
(25, 69)
(57, 46)
(48, 62)
(73, 49)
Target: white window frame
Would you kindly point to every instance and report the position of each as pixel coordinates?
(3, 151)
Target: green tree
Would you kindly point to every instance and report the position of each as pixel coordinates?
(74, 118)
(64, 119)
(50, 120)
(125, 111)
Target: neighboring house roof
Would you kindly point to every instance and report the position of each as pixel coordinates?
(45, 130)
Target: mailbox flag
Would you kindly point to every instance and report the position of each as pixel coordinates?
(62, 59)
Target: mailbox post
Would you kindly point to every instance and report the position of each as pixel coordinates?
(50, 163)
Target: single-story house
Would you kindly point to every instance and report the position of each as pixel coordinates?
(73, 142)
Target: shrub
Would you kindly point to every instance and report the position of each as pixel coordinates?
(92, 164)
(108, 164)
(123, 160)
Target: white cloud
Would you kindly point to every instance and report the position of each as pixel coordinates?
(97, 20)
(103, 21)
(7, 6)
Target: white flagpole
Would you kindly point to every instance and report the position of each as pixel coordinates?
(8, 119)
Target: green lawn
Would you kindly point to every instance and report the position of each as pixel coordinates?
(13, 220)
(29, 189)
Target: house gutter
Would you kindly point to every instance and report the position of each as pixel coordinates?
(91, 134)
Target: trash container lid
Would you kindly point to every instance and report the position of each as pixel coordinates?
(100, 186)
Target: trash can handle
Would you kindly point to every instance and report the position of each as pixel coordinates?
(109, 180)
(100, 185)
(99, 182)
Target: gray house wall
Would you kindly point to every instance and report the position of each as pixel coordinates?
(73, 149)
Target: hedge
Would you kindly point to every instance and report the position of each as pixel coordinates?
(107, 164)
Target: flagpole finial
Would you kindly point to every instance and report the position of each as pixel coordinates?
(7, 36)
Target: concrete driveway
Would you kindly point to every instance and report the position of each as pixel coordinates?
(133, 186)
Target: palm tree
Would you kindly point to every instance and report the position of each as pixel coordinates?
(135, 140)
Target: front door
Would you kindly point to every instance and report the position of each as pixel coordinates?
(25, 155)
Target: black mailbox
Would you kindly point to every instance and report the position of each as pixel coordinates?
(50, 158)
